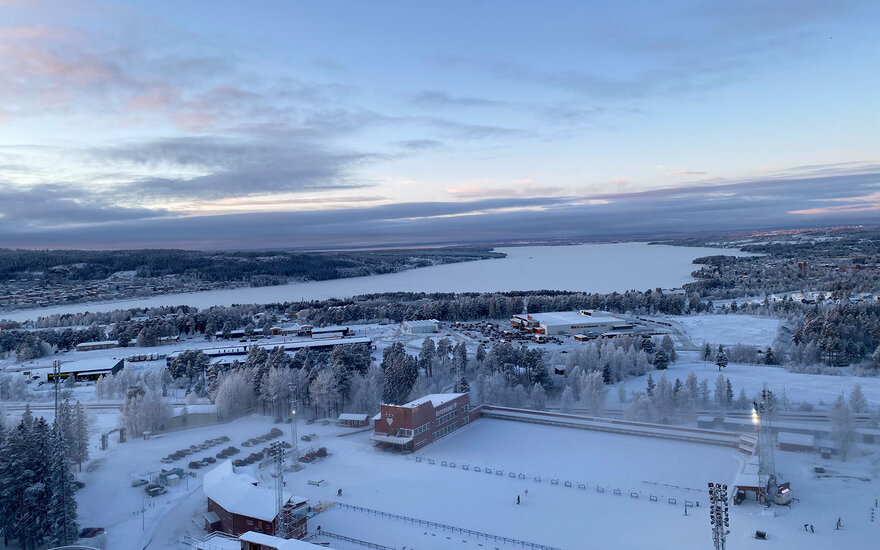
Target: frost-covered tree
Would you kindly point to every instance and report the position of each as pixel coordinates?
(668, 347)
(366, 391)
(322, 391)
(842, 426)
(235, 395)
(144, 410)
(649, 389)
(721, 392)
(568, 400)
(538, 398)
(594, 393)
(857, 401)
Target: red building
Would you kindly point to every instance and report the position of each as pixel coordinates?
(236, 504)
(411, 426)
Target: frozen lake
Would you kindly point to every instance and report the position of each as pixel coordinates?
(586, 267)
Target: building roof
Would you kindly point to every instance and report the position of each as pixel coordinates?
(789, 438)
(572, 318)
(422, 323)
(236, 495)
(100, 343)
(276, 542)
(354, 416)
(436, 399)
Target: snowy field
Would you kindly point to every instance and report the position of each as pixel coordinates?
(728, 329)
(812, 388)
(555, 515)
(586, 267)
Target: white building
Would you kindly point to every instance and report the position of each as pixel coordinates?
(568, 322)
(425, 326)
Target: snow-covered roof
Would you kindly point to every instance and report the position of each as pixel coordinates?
(572, 318)
(422, 323)
(436, 399)
(275, 542)
(354, 416)
(100, 343)
(235, 494)
(795, 439)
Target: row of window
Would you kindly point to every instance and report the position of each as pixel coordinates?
(446, 417)
(445, 431)
(423, 428)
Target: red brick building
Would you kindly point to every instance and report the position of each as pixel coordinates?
(411, 426)
(236, 504)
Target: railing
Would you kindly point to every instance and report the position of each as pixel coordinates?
(365, 543)
(444, 527)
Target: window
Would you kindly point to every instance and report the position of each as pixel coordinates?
(446, 418)
(465, 419)
(445, 431)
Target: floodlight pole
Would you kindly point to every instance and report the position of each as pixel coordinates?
(718, 514)
(56, 372)
(293, 447)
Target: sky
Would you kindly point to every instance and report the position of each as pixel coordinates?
(327, 124)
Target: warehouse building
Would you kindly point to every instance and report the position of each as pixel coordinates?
(411, 426)
(569, 322)
(92, 346)
(425, 326)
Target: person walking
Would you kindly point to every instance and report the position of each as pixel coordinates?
(811, 529)
(806, 527)
(517, 499)
(838, 523)
(339, 493)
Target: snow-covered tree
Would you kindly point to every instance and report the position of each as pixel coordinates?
(721, 392)
(842, 426)
(857, 401)
(426, 356)
(61, 509)
(144, 410)
(322, 391)
(235, 395)
(538, 398)
(593, 393)
(721, 358)
(661, 361)
(401, 372)
(568, 400)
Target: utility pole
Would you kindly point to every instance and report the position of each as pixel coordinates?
(294, 450)
(56, 372)
(283, 519)
(718, 516)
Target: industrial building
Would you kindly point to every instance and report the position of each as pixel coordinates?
(411, 426)
(237, 505)
(569, 322)
(92, 346)
(227, 354)
(424, 326)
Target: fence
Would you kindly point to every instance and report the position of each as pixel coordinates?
(580, 485)
(444, 527)
(364, 543)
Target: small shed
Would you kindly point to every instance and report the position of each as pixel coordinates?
(795, 442)
(354, 420)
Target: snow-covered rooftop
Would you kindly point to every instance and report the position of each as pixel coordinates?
(235, 494)
(354, 417)
(795, 439)
(572, 318)
(275, 542)
(436, 399)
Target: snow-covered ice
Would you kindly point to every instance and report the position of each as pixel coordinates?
(586, 267)
(728, 329)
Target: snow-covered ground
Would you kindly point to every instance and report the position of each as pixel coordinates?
(586, 267)
(551, 514)
(728, 329)
(811, 388)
